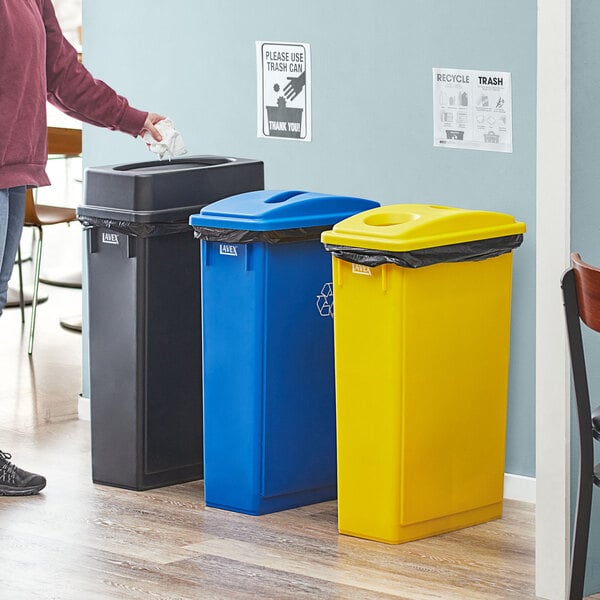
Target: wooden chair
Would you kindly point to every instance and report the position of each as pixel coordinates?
(61, 141)
(581, 293)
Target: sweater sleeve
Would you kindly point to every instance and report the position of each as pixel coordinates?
(73, 89)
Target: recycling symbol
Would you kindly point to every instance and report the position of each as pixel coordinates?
(325, 301)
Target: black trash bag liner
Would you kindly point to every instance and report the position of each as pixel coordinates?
(424, 257)
(242, 236)
(134, 229)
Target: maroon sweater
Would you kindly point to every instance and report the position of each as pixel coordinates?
(37, 63)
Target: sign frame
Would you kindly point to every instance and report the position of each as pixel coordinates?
(284, 91)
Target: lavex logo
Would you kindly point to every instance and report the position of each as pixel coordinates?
(361, 269)
(110, 238)
(228, 250)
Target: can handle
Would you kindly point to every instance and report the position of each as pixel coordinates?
(93, 238)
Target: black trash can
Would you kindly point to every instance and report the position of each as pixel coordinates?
(144, 313)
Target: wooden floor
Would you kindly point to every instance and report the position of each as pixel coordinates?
(82, 541)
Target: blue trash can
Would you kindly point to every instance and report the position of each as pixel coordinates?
(268, 367)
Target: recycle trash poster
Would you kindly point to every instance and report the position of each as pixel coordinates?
(472, 109)
(284, 90)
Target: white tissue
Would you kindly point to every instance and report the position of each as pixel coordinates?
(171, 144)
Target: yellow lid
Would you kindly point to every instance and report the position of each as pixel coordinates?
(406, 227)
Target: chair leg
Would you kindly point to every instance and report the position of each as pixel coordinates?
(36, 283)
(21, 299)
(581, 531)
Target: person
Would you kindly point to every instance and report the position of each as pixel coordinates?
(37, 64)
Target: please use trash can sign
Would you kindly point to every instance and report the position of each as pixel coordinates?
(284, 90)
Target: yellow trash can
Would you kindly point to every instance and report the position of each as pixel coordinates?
(422, 319)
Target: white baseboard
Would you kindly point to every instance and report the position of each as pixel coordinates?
(516, 487)
(519, 487)
(83, 408)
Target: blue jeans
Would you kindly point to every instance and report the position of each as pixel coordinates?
(12, 213)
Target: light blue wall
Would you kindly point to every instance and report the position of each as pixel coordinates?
(194, 61)
(585, 212)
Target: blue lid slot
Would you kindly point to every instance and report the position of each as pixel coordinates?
(271, 210)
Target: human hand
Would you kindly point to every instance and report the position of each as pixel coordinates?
(294, 86)
(149, 123)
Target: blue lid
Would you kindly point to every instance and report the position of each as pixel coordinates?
(269, 210)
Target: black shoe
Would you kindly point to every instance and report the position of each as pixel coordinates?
(17, 482)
